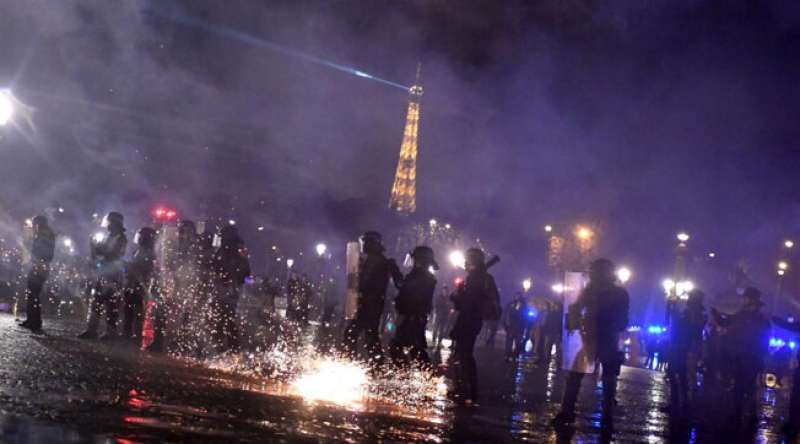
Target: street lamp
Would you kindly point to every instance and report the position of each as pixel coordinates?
(683, 237)
(289, 263)
(548, 228)
(788, 243)
(457, 259)
(668, 285)
(558, 288)
(624, 274)
(6, 107)
(584, 233)
(432, 222)
(321, 249)
(783, 266)
(526, 284)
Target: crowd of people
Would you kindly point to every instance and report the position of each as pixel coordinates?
(199, 281)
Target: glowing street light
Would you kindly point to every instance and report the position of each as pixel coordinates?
(231, 222)
(712, 255)
(6, 107)
(99, 237)
(668, 285)
(788, 243)
(584, 233)
(457, 259)
(321, 249)
(558, 288)
(683, 288)
(289, 263)
(68, 242)
(432, 222)
(624, 274)
(548, 228)
(527, 284)
(683, 236)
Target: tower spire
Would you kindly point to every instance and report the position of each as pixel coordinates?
(404, 189)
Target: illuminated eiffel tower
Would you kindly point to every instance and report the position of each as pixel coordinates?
(404, 190)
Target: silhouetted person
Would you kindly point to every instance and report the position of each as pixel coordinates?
(515, 319)
(137, 283)
(601, 314)
(748, 334)
(441, 320)
(42, 251)
(107, 251)
(414, 303)
(685, 346)
(475, 300)
(373, 277)
(231, 267)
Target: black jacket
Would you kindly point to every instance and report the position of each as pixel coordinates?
(373, 277)
(415, 297)
(44, 245)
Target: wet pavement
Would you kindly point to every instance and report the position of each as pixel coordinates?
(55, 388)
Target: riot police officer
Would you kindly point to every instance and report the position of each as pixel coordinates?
(137, 283)
(375, 269)
(231, 267)
(414, 303)
(108, 249)
(42, 251)
(600, 314)
(475, 300)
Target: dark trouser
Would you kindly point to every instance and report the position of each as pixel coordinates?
(36, 279)
(105, 295)
(226, 329)
(678, 375)
(440, 328)
(411, 335)
(744, 389)
(611, 369)
(134, 312)
(515, 341)
(367, 320)
(465, 334)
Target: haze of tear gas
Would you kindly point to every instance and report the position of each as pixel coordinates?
(644, 119)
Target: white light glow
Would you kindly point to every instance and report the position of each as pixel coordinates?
(231, 222)
(548, 228)
(68, 243)
(338, 382)
(457, 258)
(6, 107)
(788, 243)
(289, 263)
(668, 285)
(321, 249)
(99, 237)
(527, 284)
(558, 288)
(683, 237)
(624, 274)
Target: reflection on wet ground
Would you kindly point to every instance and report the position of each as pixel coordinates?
(54, 388)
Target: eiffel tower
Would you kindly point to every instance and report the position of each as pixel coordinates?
(404, 190)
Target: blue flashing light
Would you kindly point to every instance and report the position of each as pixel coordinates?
(532, 314)
(792, 345)
(777, 342)
(656, 329)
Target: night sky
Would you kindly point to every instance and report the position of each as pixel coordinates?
(640, 117)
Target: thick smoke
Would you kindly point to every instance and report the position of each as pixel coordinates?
(640, 117)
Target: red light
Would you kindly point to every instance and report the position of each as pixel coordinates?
(458, 281)
(171, 214)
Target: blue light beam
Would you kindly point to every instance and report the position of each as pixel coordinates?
(255, 41)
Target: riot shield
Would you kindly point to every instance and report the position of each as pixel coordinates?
(351, 297)
(575, 356)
